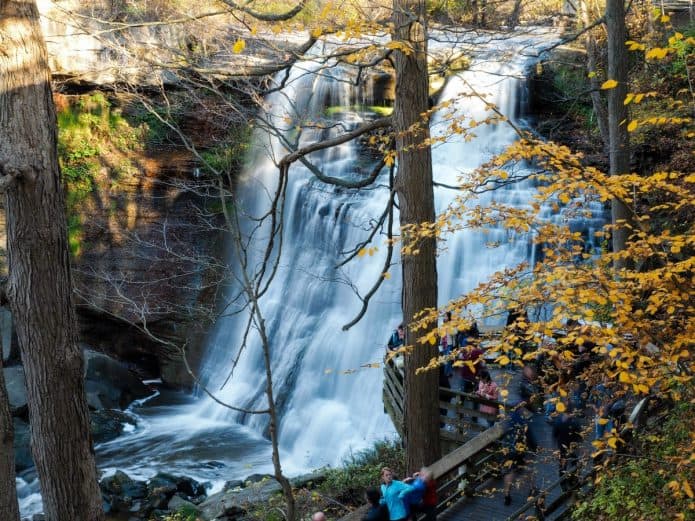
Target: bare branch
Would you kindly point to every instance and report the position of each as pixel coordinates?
(387, 264)
(266, 17)
(339, 140)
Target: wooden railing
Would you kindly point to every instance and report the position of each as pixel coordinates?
(675, 5)
(460, 418)
(461, 471)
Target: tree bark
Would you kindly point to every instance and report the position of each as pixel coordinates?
(8, 490)
(619, 151)
(416, 200)
(592, 61)
(39, 287)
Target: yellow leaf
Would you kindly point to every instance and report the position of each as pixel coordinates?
(362, 252)
(386, 275)
(687, 489)
(591, 74)
(564, 198)
(632, 125)
(612, 442)
(560, 407)
(656, 53)
(625, 377)
(641, 388)
(665, 18)
(603, 421)
(239, 46)
(609, 84)
(504, 393)
(503, 360)
(628, 99)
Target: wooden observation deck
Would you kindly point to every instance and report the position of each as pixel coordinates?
(469, 476)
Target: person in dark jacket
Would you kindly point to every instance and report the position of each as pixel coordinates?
(568, 435)
(518, 442)
(376, 512)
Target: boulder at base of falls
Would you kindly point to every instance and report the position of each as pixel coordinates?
(237, 497)
(108, 424)
(110, 384)
(124, 495)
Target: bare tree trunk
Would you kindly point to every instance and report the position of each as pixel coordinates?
(514, 16)
(8, 491)
(619, 151)
(252, 292)
(416, 200)
(274, 427)
(39, 287)
(592, 54)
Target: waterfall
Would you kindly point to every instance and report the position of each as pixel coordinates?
(330, 403)
(328, 391)
(326, 397)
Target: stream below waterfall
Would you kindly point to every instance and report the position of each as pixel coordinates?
(330, 395)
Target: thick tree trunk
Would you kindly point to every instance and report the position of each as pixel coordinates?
(39, 285)
(619, 150)
(416, 201)
(8, 490)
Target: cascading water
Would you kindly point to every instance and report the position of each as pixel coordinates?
(325, 412)
(330, 402)
(306, 305)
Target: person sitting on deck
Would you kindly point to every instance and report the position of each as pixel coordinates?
(487, 388)
(393, 494)
(397, 339)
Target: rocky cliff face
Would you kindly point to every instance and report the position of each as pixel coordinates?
(144, 289)
(105, 42)
(144, 264)
(146, 267)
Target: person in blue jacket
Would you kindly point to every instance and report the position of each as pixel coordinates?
(393, 495)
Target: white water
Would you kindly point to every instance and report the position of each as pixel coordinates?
(331, 404)
(330, 414)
